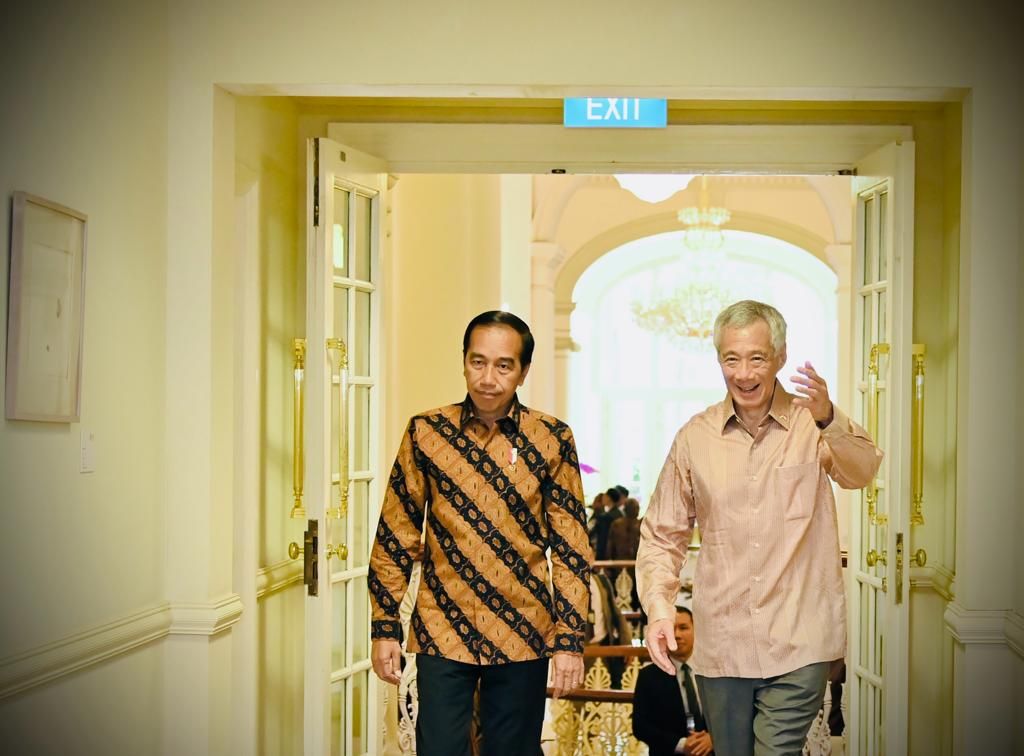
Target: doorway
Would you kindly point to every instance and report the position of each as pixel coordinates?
(550, 320)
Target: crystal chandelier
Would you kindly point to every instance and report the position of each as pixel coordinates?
(703, 223)
(687, 313)
(687, 310)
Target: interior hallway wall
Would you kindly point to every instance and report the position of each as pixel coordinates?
(84, 123)
(270, 163)
(86, 118)
(445, 269)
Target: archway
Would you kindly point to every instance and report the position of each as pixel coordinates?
(633, 387)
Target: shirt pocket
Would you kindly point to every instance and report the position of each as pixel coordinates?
(797, 487)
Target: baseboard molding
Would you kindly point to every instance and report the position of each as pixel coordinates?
(208, 618)
(1015, 633)
(277, 577)
(42, 664)
(977, 626)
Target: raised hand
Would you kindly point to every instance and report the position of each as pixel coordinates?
(813, 393)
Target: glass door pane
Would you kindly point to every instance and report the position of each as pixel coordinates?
(340, 231)
(356, 308)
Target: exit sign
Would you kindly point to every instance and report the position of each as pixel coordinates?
(615, 113)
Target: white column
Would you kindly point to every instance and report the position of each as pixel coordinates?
(199, 427)
(545, 257)
(564, 346)
(987, 709)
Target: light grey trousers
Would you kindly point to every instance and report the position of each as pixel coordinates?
(763, 717)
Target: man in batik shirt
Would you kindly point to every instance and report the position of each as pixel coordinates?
(493, 487)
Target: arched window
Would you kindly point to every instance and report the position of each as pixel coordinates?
(630, 389)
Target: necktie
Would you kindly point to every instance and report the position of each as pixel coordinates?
(690, 701)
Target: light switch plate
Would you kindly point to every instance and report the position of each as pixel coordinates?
(88, 462)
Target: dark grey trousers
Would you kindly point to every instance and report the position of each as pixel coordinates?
(764, 717)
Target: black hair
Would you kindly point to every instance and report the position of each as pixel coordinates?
(614, 494)
(685, 610)
(625, 491)
(500, 317)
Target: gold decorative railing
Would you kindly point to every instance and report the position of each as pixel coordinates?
(598, 719)
(623, 598)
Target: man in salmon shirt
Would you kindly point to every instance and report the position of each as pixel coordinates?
(754, 471)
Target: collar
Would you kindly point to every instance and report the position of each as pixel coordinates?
(513, 417)
(781, 410)
(679, 664)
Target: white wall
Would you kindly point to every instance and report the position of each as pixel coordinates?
(445, 269)
(84, 124)
(765, 54)
(110, 108)
(269, 168)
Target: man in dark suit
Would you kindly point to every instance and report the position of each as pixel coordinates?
(667, 714)
(612, 499)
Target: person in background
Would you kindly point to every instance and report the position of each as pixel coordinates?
(667, 714)
(612, 512)
(596, 509)
(624, 539)
(624, 533)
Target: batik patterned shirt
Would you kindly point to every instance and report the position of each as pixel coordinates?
(494, 501)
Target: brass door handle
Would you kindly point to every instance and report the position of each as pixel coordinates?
(338, 346)
(873, 557)
(917, 439)
(873, 391)
(340, 551)
(298, 408)
(308, 552)
(920, 557)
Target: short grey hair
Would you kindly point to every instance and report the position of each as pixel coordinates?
(746, 312)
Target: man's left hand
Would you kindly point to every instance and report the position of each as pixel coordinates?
(566, 673)
(814, 393)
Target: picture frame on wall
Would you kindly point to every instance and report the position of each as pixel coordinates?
(45, 310)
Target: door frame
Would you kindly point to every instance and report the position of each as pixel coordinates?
(827, 149)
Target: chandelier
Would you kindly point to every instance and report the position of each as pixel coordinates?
(687, 313)
(703, 223)
(689, 296)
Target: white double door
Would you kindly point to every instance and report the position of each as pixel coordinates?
(345, 199)
(879, 566)
(346, 191)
